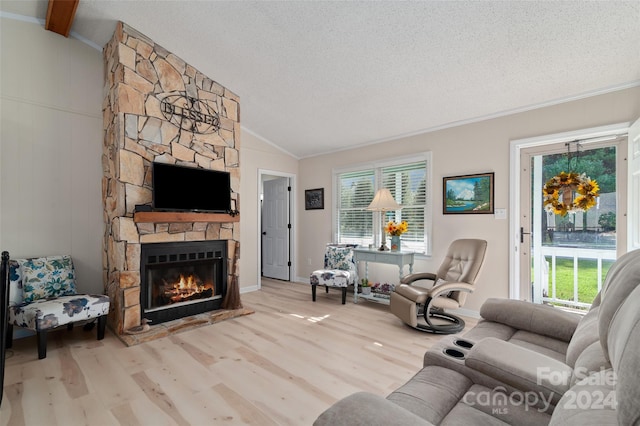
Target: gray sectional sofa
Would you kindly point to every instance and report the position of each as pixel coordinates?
(524, 364)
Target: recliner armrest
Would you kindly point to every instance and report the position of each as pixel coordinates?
(520, 368)
(448, 287)
(364, 408)
(420, 294)
(539, 319)
(408, 279)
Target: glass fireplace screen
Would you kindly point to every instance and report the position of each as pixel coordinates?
(181, 282)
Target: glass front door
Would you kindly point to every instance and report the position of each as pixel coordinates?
(570, 253)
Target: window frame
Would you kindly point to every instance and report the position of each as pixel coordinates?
(377, 167)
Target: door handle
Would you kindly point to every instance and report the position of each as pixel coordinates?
(264, 233)
(522, 234)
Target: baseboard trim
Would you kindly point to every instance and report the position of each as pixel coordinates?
(249, 289)
(465, 312)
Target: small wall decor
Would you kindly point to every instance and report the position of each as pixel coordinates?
(468, 194)
(191, 114)
(314, 199)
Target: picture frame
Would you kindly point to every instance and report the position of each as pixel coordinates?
(468, 194)
(314, 199)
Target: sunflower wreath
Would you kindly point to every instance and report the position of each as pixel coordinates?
(565, 184)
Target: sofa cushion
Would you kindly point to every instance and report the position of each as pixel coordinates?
(519, 367)
(43, 314)
(367, 409)
(624, 347)
(339, 258)
(539, 319)
(548, 346)
(486, 328)
(431, 393)
(48, 277)
(586, 333)
(332, 278)
(590, 402)
(591, 360)
(485, 406)
(623, 277)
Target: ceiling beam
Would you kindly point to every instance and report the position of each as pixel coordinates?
(60, 14)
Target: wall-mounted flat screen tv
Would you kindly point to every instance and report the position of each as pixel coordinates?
(179, 188)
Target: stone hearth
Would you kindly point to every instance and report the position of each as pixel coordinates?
(183, 324)
(139, 77)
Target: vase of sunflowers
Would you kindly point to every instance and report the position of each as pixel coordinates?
(395, 229)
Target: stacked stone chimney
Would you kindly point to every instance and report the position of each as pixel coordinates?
(139, 130)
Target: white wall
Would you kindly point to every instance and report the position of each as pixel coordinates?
(472, 148)
(256, 154)
(51, 148)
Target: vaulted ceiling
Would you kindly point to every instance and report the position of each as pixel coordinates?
(320, 76)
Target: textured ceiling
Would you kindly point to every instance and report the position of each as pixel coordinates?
(320, 76)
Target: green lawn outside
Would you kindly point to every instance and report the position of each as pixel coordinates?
(587, 278)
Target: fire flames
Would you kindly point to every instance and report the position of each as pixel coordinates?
(187, 288)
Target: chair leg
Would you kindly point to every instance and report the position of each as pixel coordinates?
(454, 325)
(102, 325)
(344, 295)
(42, 344)
(326, 289)
(313, 292)
(9, 340)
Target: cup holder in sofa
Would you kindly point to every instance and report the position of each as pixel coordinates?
(454, 353)
(463, 343)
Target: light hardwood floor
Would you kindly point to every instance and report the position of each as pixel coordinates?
(283, 365)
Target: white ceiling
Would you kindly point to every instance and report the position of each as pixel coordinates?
(321, 76)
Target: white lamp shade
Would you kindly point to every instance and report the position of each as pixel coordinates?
(383, 201)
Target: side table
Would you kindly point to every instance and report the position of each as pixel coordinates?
(399, 258)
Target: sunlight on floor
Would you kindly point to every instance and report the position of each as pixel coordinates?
(311, 319)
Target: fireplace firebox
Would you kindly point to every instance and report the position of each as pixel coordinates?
(181, 279)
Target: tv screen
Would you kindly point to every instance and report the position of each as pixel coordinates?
(190, 189)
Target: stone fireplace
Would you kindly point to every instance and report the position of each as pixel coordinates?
(158, 108)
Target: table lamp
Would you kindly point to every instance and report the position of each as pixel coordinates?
(382, 202)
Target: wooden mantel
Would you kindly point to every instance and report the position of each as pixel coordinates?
(180, 217)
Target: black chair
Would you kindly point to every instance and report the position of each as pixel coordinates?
(4, 303)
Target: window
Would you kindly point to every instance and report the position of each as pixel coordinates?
(409, 183)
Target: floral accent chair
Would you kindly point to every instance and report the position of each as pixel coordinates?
(340, 270)
(42, 296)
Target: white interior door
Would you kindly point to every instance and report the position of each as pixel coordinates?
(276, 229)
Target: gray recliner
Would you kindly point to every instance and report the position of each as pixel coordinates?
(455, 278)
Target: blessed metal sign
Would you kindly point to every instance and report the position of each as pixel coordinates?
(194, 115)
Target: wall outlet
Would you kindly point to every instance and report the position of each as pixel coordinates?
(309, 261)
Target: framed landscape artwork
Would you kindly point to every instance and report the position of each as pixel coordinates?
(468, 194)
(314, 199)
